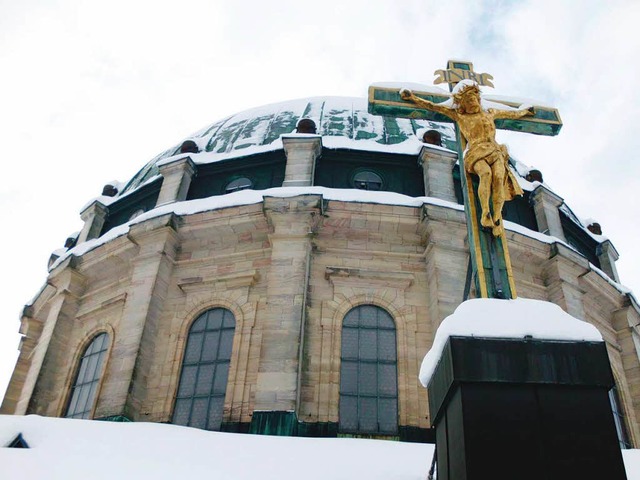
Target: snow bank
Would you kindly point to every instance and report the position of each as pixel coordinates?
(493, 318)
(80, 449)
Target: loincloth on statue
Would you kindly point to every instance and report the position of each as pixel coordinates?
(492, 152)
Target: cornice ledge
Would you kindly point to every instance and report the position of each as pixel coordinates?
(233, 280)
(350, 276)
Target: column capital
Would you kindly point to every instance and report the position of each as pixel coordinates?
(608, 255)
(174, 164)
(543, 194)
(433, 152)
(545, 206)
(94, 216)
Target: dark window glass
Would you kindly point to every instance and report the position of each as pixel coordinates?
(84, 388)
(618, 418)
(367, 180)
(238, 184)
(368, 373)
(203, 381)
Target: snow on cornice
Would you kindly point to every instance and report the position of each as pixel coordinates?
(249, 197)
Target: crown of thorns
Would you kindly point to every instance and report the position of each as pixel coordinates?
(466, 90)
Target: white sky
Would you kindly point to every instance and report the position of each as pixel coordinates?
(90, 91)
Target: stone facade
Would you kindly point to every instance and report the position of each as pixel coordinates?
(289, 269)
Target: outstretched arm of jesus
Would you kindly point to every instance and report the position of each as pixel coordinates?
(523, 111)
(426, 104)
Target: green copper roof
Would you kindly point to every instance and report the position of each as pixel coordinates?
(343, 122)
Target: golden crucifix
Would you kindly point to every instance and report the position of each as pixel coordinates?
(483, 156)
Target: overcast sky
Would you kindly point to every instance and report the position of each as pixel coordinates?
(90, 91)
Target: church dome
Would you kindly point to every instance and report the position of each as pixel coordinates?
(342, 122)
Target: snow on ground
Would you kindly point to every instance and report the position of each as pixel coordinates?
(80, 449)
(493, 318)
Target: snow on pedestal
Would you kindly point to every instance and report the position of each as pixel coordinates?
(494, 318)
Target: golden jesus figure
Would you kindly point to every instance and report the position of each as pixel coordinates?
(483, 156)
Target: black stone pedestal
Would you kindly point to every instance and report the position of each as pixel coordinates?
(524, 409)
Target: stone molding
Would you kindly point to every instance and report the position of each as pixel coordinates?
(351, 276)
(234, 280)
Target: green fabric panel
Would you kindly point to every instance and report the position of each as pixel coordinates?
(274, 423)
(115, 418)
(318, 429)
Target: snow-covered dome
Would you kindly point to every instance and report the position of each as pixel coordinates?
(343, 122)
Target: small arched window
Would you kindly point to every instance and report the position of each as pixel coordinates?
(367, 180)
(87, 379)
(205, 369)
(242, 183)
(619, 418)
(368, 373)
(137, 213)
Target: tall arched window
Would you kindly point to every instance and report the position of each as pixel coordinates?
(619, 418)
(205, 369)
(368, 373)
(87, 380)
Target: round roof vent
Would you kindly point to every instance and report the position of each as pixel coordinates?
(306, 125)
(535, 176)
(432, 137)
(189, 146)
(595, 228)
(109, 190)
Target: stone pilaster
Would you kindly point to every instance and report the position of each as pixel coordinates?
(626, 323)
(133, 347)
(94, 217)
(561, 275)
(47, 341)
(177, 175)
(437, 167)
(302, 151)
(545, 205)
(293, 221)
(446, 255)
(608, 255)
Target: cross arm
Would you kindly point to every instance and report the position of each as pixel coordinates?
(387, 101)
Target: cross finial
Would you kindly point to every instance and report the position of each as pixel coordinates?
(458, 70)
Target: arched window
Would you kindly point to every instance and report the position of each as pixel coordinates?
(242, 183)
(368, 373)
(205, 369)
(367, 180)
(618, 418)
(85, 385)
